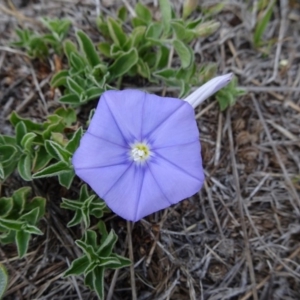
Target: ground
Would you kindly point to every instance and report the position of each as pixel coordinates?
(239, 237)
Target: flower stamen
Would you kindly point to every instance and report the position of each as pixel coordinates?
(140, 152)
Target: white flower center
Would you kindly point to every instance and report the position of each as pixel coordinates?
(140, 152)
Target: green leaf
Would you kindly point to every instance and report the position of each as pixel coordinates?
(2, 172)
(122, 13)
(165, 74)
(22, 241)
(27, 141)
(188, 7)
(8, 237)
(97, 209)
(104, 48)
(24, 167)
(57, 151)
(68, 114)
(104, 262)
(262, 24)
(76, 219)
(98, 281)
(102, 228)
(7, 140)
(184, 52)
(87, 47)
(59, 79)
(87, 249)
(74, 86)
(90, 238)
(7, 153)
(52, 170)
(32, 229)
(91, 267)
(72, 99)
(78, 266)
(228, 95)
(19, 198)
(116, 32)
(136, 37)
(166, 13)
(205, 29)
(31, 217)
(40, 203)
(184, 89)
(143, 13)
(154, 30)
(21, 130)
(71, 204)
(178, 28)
(88, 281)
(94, 93)
(77, 62)
(107, 245)
(65, 179)
(54, 123)
(30, 125)
(3, 280)
(41, 159)
(162, 58)
(6, 205)
(143, 69)
(124, 262)
(137, 22)
(11, 224)
(7, 169)
(124, 63)
(75, 140)
(69, 48)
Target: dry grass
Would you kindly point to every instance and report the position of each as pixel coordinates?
(237, 239)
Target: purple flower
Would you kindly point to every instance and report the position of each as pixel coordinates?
(141, 153)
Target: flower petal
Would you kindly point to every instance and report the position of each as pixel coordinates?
(185, 157)
(156, 111)
(103, 180)
(126, 108)
(95, 152)
(151, 198)
(177, 182)
(136, 194)
(208, 89)
(123, 197)
(104, 125)
(177, 128)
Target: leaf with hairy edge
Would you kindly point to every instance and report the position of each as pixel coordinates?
(71, 99)
(98, 281)
(60, 152)
(78, 266)
(24, 167)
(123, 63)
(3, 280)
(116, 32)
(41, 159)
(166, 13)
(65, 179)
(88, 48)
(6, 205)
(52, 170)
(22, 241)
(184, 52)
(59, 79)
